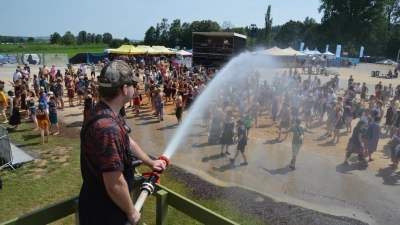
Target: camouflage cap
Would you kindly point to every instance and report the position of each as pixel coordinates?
(117, 72)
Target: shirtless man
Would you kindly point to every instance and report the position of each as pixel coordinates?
(178, 104)
(46, 71)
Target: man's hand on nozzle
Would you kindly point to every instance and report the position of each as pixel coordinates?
(134, 217)
(158, 165)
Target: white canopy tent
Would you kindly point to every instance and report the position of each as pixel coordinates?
(316, 52)
(293, 52)
(184, 53)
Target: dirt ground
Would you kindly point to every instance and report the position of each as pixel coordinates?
(155, 136)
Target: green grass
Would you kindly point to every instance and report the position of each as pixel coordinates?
(56, 177)
(71, 50)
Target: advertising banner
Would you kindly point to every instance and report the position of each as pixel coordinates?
(8, 60)
(327, 48)
(31, 59)
(334, 63)
(338, 50)
(55, 59)
(361, 51)
(301, 46)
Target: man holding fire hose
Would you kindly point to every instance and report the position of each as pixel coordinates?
(106, 153)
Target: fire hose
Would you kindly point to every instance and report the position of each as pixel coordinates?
(148, 186)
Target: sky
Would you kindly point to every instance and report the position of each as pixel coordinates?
(131, 18)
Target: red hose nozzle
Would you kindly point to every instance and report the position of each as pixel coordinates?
(165, 159)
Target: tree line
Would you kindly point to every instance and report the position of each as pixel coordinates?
(350, 23)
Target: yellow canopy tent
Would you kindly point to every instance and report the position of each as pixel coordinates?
(127, 49)
(163, 50)
(147, 49)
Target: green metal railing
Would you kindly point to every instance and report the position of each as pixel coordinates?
(164, 198)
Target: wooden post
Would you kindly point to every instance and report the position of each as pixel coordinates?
(161, 207)
(76, 211)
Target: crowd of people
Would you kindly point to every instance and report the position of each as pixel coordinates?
(287, 101)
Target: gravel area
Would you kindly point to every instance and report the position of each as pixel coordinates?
(253, 204)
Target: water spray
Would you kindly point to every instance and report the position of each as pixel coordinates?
(148, 186)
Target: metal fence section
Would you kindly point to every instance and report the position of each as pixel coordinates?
(6, 157)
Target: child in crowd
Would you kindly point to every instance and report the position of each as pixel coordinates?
(32, 108)
(43, 121)
(53, 114)
(248, 123)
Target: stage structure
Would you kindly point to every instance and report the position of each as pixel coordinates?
(213, 49)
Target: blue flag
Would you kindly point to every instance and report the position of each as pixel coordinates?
(327, 48)
(301, 46)
(338, 50)
(361, 51)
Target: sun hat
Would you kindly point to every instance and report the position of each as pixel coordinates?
(195, 87)
(50, 93)
(117, 73)
(42, 88)
(41, 105)
(80, 77)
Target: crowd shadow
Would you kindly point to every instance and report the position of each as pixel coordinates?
(388, 176)
(320, 138)
(168, 127)
(76, 114)
(347, 169)
(266, 125)
(202, 145)
(213, 157)
(75, 124)
(229, 166)
(282, 171)
(273, 141)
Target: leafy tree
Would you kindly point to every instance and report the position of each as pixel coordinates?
(107, 38)
(186, 36)
(174, 34)
(0, 38)
(205, 26)
(157, 34)
(240, 30)
(227, 26)
(290, 34)
(98, 39)
(68, 38)
(164, 28)
(392, 8)
(267, 28)
(116, 43)
(92, 38)
(126, 41)
(55, 38)
(21, 40)
(150, 36)
(31, 39)
(89, 38)
(81, 38)
(360, 22)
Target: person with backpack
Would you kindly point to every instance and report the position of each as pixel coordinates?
(298, 139)
(371, 137)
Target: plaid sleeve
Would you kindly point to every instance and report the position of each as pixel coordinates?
(109, 146)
